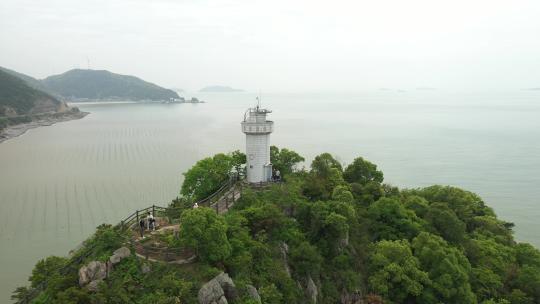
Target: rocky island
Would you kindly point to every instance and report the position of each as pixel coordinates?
(329, 234)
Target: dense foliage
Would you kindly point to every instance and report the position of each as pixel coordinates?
(340, 229)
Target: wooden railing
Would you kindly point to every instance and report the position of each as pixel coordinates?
(138, 214)
(209, 201)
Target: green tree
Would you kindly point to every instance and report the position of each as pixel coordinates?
(485, 283)
(390, 220)
(47, 272)
(46, 268)
(205, 232)
(343, 194)
(73, 295)
(206, 176)
(305, 259)
(528, 277)
(284, 160)
(519, 297)
(526, 254)
(362, 171)
(528, 281)
(270, 294)
(336, 226)
(395, 273)
(445, 223)
(496, 301)
(326, 173)
(368, 193)
(448, 270)
(489, 254)
(418, 204)
(491, 227)
(106, 240)
(465, 204)
(322, 165)
(238, 160)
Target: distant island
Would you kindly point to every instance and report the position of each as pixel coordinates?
(219, 89)
(83, 85)
(24, 105)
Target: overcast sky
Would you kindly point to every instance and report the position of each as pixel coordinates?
(277, 45)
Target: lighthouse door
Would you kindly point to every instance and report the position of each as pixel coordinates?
(267, 172)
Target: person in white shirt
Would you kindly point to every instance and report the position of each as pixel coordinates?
(195, 206)
(151, 221)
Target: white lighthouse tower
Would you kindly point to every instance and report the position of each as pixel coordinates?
(257, 130)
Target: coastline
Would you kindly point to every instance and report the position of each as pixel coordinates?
(19, 129)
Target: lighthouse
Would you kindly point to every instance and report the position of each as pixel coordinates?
(257, 130)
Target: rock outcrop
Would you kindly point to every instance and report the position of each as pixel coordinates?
(311, 291)
(119, 254)
(253, 293)
(218, 290)
(94, 271)
(351, 297)
(284, 248)
(146, 268)
(93, 286)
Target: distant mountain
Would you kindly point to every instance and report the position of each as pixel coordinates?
(101, 85)
(19, 97)
(219, 89)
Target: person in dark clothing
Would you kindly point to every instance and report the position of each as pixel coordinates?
(141, 226)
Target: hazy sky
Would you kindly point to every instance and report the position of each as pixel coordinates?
(279, 45)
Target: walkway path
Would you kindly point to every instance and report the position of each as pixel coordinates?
(228, 199)
(152, 247)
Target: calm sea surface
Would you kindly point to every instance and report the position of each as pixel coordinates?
(58, 183)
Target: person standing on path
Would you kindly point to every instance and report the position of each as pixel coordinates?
(151, 221)
(141, 227)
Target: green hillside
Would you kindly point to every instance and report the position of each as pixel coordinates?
(17, 97)
(101, 84)
(31, 81)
